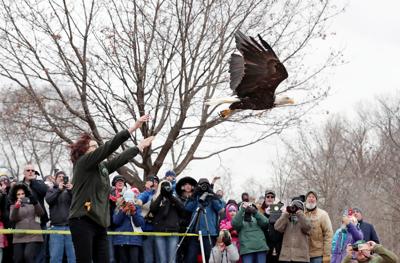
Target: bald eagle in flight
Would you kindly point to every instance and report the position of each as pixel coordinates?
(254, 77)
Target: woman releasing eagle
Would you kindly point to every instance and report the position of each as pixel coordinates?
(254, 77)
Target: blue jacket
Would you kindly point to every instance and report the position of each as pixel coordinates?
(368, 231)
(146, 197)
(123, 223)
(341, 239)
(212, 207)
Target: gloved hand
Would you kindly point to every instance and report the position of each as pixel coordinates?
(251, 210)
(166, 193)
(227, 238)
(203, 197)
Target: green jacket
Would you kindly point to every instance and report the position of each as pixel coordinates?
(381, 255)
(251, 235)
(91, 184)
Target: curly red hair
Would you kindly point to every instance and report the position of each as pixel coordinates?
(80, 147)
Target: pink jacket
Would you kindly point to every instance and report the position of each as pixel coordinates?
(227, 224)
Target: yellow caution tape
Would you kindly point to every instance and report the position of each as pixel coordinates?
(111, 233)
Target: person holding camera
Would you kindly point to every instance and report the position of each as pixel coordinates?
(205, 207)
(89, 213)
(272, 210)
(348, 233)
(145, 198)
(184, 189)
(127, 217)
(25, 212)
(249, 222)
(296, 228)
(166, 209)
(59, 199)
(369, 252)
(6, 247)
(224, 251)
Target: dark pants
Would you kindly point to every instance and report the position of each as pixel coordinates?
(126, 254)
(90, 240)
(272, 256)
(26, 252)
(194, 248)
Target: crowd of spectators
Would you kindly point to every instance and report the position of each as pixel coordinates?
(244, 231)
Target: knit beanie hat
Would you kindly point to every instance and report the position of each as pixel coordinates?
(170, 173)
(312, 192)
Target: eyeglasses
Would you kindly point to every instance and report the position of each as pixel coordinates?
(232, 210)
(29, 170)
(269, 196)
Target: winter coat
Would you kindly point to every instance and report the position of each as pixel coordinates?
(341, 239)
(166, 211)
(59, 203)
(295, 237)
(321, 233)
(39, 189)
(123, 223)
(381, 255)
(368, 231)
(228, 255)
(212, 205)
(251, 235)
(91, 182)
(274, 238)
(184, 220)
(146, 199)
(25, 218)
(227, 224)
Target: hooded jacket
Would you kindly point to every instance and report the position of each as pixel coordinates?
(227, 224)
(166, 210)
(343, 237)
(295, 237)
(251, 236)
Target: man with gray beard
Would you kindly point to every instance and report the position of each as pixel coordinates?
(321, 233)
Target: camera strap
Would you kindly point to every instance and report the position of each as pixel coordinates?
(135, 228)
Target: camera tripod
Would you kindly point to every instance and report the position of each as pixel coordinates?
(200, 211)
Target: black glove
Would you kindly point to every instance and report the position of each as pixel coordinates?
(166, 193)
(251, 210)
(203, 197)
(227, 238)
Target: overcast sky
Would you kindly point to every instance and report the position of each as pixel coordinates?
(369, 34)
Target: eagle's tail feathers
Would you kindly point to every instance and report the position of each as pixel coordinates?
(218, 101)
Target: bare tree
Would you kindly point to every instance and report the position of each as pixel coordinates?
(105, 63)
(352, 164)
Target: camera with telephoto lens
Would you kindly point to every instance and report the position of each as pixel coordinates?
(354, 247)
(166, 189)
(296, 204)
(292, 209)
(204, 187)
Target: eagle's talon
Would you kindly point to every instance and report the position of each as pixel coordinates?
(225, 113)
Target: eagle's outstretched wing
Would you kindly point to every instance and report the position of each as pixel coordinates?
(258, 71)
